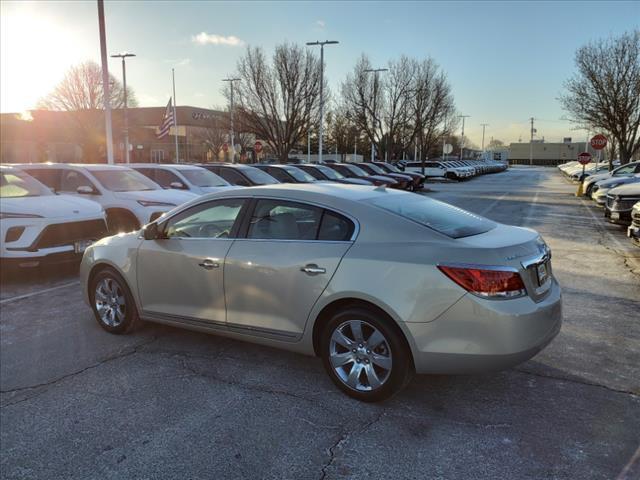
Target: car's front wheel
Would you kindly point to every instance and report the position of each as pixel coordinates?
(365, 356)
(112, 302)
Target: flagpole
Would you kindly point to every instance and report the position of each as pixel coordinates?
(175, 116)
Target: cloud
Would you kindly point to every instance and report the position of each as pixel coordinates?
(321, 24)
(204, 38)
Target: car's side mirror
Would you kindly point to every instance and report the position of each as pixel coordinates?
(178, 185)
(150, 231)
(85, 190)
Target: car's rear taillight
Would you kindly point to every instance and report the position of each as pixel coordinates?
(494, 282)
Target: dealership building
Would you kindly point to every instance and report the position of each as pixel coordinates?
(548, 153)
(79, 136)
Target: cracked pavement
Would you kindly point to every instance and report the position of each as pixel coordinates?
(76, 402)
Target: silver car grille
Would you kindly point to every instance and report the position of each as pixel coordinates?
(621, 204)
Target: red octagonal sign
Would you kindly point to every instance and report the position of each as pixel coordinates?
(584, 158)
(598, 142)
(257, 146)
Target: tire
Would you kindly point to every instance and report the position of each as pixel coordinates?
(358, 368)
(121, 222)
(120, 314)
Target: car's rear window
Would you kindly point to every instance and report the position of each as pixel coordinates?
(439, 216)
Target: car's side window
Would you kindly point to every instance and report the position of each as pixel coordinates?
(335, 227)
(72, 179)
(234, 178)
(284, 220)
(279, 174)
(207, 220)
(625, 170)
(147, 172)
(49, 176)
(165, 178)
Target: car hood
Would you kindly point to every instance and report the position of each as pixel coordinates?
(597, 178)
(618, 180)
(631, 189)
(383, 178)
(52, 206)
(175, 197)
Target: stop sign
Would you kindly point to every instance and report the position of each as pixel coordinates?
(598, 142)
(225, 147)
(257, 147)
(584, 158)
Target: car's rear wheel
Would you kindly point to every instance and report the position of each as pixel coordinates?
(112, 302)
(365, 356)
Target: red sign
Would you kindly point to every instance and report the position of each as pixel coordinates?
(598, 142)
(257, 147)
(225, 148)
(584, 158)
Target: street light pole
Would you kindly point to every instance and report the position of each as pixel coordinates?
(462, 137)
(322, 44)
(105, 82)
(124, 86)
(233, 144)
(375, 72)
(484, 125)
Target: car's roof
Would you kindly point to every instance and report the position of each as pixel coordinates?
(88, 166)
(177, 166)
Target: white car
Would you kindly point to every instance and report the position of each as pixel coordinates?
(195, 179)
(431, 169)
(623, 171)
(37, 226)
(129, 199)
(601, 188)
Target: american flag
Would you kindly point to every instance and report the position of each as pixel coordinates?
(167, 121)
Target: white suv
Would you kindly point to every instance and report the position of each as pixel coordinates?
(36, 225)
(129, 199)
(195, 179)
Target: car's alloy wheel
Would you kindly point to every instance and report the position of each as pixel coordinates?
(112, 302)
(365, 354)
(360, 355)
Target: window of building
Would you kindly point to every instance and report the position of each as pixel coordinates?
(157, 156)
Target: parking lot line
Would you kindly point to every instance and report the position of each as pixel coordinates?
(39, 292)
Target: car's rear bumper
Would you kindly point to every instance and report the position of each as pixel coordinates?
(478, 335)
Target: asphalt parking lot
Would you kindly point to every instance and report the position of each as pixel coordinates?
(77, 402)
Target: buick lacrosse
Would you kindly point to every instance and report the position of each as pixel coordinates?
(379, 283)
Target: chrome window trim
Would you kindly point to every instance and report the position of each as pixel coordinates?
(354, 235)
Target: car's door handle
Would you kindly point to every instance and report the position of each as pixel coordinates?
(313, 269)
(209, 264)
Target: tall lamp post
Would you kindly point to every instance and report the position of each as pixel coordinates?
(123, 56)
(322, 44)
(462, 137)
(233, 144)
(375, 72)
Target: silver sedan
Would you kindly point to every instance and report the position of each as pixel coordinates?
(378, 283)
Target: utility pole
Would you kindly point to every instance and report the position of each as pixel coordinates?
(322, 44)
(309, 146)
(355, 148)
(105, 81)
(484, 125)
(531, 142)
(375, 72)
(175, 116)
(462, 137)
(233, 142)
(124, 85)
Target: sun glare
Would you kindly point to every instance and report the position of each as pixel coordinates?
(35, 52)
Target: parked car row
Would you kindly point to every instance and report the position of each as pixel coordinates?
(617, 191)
(453, 169)
(86, 202)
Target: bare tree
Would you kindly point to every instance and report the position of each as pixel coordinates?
(277, 102)
(81, 94)
(495, 143)
(214, 133)
(605, 91)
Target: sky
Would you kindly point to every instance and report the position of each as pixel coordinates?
(506, 61)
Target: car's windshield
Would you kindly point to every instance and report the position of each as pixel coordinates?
(330, 173)
(203, 178)
(390, 168)
(376, 169)
(439, 216)
(300, 175)
(124, 180)
(357, 171)
(15, 184)
(259, 177)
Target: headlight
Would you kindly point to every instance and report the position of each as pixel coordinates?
(149, 203)
(19, 215)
